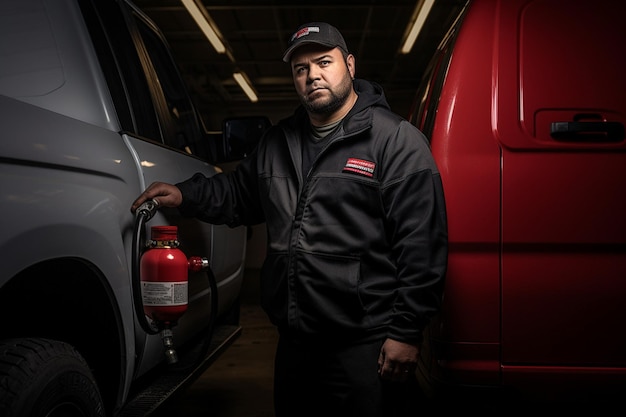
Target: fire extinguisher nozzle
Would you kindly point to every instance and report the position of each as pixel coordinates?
(171, 356)
(148, 209)
(168, 343)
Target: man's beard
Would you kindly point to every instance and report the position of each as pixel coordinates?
(337, 99)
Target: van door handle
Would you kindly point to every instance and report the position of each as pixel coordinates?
(587, 131)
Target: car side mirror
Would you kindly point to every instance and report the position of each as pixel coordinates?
(240, 135)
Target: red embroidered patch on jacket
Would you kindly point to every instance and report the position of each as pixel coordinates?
(360, 166)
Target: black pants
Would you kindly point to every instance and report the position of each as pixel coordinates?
(343, 381)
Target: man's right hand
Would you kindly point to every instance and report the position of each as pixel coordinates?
(165, 195)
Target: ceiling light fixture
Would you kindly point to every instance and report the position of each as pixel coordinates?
(421, 12)
(206, 25)
(245, 86)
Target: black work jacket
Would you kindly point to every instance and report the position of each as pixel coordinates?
(357, 249)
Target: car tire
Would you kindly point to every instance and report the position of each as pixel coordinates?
(41, 377)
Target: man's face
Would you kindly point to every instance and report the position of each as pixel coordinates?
(322, 78)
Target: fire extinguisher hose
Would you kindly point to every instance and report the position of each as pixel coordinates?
(143, 214)
(206, 344)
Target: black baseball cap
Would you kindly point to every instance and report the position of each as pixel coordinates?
(315, 32)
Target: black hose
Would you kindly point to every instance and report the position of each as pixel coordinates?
(192, 363)
(207, 342)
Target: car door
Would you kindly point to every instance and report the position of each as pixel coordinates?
(163, 130)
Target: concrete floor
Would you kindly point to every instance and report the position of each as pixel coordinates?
(240, 382)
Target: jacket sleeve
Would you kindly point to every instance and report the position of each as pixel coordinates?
(416, 219)
(225, 198)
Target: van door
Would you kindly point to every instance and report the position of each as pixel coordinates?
(561, 113)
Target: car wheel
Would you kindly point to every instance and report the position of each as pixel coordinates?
(42, 377)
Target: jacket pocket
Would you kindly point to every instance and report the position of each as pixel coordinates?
(327, 294)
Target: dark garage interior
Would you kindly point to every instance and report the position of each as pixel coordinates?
(255, 34)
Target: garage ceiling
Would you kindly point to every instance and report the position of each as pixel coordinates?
(256, 34)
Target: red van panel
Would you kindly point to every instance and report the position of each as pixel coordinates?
(528, 130)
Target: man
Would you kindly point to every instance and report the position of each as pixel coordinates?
(357, 236)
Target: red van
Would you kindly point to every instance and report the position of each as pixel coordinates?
(525, 106)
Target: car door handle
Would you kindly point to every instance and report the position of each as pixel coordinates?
(587, 131)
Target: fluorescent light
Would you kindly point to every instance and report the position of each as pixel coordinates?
(204, 25)
(245, 86)
(424, 8)
(211, 32)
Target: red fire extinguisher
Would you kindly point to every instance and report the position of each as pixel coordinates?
(164, 283)
(160, 282)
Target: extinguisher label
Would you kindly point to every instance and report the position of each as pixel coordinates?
(164, 293)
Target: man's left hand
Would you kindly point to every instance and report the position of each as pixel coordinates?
(397, 360)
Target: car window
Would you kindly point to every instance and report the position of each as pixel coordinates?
(150, 96)
(179, 125)
(427, 96)
(424, 108)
